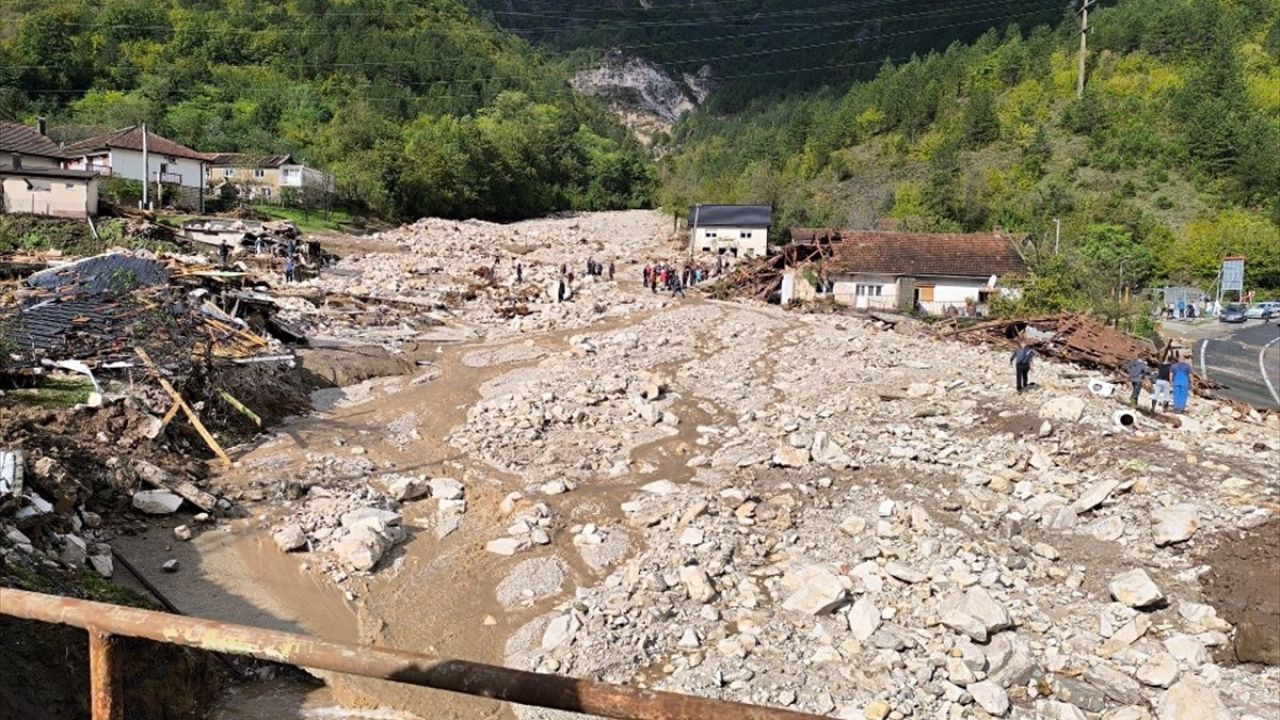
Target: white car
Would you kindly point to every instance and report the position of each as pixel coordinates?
(1263, 311)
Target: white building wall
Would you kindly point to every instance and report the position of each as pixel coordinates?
(952, 292)
(747, 241)
(845, 291)
(128, 164)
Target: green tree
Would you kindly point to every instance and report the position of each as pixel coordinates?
(981, 124)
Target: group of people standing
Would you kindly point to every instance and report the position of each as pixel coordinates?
(670, 276)
(1171, 384)
(595, 269)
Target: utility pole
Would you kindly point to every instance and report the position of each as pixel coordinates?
(146, 174)
(1084, 41)
(693, 232)
(1057, 234)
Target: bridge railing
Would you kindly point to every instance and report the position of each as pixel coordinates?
(105, 622)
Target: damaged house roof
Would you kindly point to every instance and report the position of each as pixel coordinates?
(79, 309)
(909, 254)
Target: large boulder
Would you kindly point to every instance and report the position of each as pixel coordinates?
(815, 590)
(1171, 525)
(787, 456)
(1191, 699)
(824, 450)
(697, 583)
(1066, 408)
(156, 502)
(366, 541)
(1135, 589)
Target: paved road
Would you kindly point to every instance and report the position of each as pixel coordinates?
(1247, 360)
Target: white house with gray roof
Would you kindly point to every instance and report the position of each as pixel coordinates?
(738, 230)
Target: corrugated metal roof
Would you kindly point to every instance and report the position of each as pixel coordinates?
(100, 274)
(731, 216)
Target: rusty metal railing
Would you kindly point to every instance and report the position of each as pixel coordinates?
(104, 622)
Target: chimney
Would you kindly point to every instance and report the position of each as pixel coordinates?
(40, 125)
(997, 230)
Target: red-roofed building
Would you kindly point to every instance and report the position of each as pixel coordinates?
(935, 273)
(118, 154)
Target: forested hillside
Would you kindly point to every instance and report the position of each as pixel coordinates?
(766, 47)
(1169, 161)
(418, 106)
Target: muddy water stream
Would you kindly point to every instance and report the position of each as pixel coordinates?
(432, 596)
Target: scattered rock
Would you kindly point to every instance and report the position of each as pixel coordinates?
(1135, 589)
(1175, 524)
(697, 584)
(817, 591)
(1191, 699)
(1066, 409)
(787, 456)
(156, 502)
(990, 697)
(1160, 670)
(290, 537)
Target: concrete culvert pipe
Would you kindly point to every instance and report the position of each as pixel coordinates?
(1124, 419)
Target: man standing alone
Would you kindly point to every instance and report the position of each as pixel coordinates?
(1021, 360)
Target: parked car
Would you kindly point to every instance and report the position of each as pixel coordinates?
(1263, 310)
(1232, 313)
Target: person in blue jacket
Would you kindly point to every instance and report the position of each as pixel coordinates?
(1180, 374)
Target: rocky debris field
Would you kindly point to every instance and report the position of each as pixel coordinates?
(440, 276)
(731, 500)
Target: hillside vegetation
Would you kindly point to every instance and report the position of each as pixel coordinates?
(1169, 161)
(417, 106)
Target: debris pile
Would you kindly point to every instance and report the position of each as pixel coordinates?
(97, 310)
(1069, 337)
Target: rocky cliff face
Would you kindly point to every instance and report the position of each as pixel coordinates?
(644, 95)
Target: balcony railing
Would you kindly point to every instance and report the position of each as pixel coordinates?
(171, 178)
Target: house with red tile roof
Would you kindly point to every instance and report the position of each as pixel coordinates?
(119, 154)
(937, 273)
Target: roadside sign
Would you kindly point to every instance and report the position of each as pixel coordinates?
(1233, 274)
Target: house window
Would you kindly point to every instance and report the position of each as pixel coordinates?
(926, 293)
(869, 290)
(259, 172)
(266, 192)
(711, 234)
(228, 172)
(744, 235)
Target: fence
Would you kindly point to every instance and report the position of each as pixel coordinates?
(105, 621)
